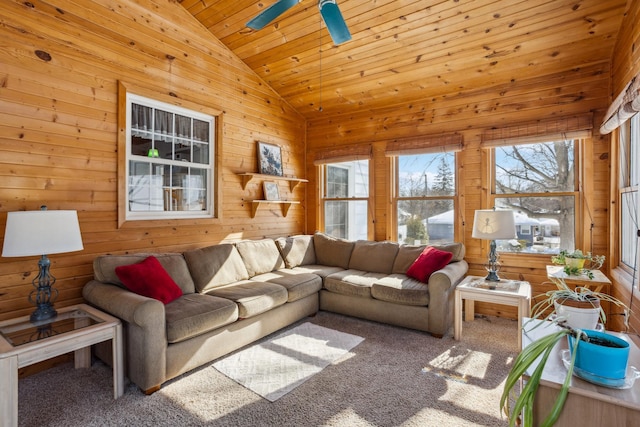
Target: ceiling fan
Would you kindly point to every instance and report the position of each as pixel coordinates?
(328, 9)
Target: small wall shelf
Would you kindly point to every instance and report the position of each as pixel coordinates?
(248, 176)
(285, 205)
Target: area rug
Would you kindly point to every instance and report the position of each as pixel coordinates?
(275, 367)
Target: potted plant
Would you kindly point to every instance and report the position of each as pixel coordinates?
(574, 262)
(574, 305)
(581, 342)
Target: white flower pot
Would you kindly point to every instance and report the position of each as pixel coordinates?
(578, 314)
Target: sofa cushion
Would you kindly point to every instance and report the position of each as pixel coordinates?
(456, 249)
(104, 268)
(401, 289)
(428, 262)
(214, 266)
(299, 285)
(195, 314)
(252, 297)
(317, 269)
(260, 256)
(148, 278)
(352, 282)
(377, 257)
(332, 251)
(297, 250)
(407, 254)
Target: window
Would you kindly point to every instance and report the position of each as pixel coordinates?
(538, 181)
(629, 138)
(425, 189)
(346, 199)
(169, 161)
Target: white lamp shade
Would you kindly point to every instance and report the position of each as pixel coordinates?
(41, 232)
(492, 224)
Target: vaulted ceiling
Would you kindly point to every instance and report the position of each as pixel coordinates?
(404, 51)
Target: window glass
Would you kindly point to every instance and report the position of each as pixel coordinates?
(538, 182)
(425, 191)
(629, 138)
(345, 199)
(169, 161)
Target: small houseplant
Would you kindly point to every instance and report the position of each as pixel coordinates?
(540, 350)
(574, 262)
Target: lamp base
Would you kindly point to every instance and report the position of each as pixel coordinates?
(43, 312)
(44, 293)
(493, 265)
(492, 277)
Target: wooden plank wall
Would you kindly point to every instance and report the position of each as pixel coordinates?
(625, 65)
(58, 111)
(576, 91)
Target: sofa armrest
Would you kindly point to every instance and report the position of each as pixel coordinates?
(442, 284)
(145, 338)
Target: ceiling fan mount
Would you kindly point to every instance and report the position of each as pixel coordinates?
(329, 11)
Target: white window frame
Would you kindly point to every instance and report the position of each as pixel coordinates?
(575, 194)
(352, 232)
(167, 211)
(397, 199)
(629, 183)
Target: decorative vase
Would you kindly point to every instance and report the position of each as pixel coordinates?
(579, 314)
(606, 356)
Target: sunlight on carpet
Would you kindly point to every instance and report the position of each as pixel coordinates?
(275, 367)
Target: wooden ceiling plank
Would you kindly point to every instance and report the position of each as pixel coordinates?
(439, 46)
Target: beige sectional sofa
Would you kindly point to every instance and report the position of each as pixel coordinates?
(234, 294)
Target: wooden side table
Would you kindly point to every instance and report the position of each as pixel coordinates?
(75, 328)
(508, 292)
(598, 282)
(587, 404)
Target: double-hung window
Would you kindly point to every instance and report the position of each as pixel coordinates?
(425, 195)
(629, 140)
(169, 161)
(539, 182)
(345, 198)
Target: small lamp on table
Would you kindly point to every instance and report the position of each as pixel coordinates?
(492, 224)
(42, 232)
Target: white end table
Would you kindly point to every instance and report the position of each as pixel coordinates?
(598, 282)
(75, 328)
(508, 292)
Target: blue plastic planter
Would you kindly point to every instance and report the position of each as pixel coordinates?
(602, 361)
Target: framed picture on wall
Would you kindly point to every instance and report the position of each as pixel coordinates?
(269, 159)
(271, 191)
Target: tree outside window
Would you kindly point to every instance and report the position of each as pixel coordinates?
(425, 198)
(538, 181)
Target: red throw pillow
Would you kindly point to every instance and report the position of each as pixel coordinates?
(150, 279)
(428, 262)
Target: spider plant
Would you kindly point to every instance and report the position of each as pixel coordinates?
(546, 307)
(541, 348)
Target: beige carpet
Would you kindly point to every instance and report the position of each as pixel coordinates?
(395, 377)
(274, 367)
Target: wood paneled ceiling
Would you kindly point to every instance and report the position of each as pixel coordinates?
(406, 51)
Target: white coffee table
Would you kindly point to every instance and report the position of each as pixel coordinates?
(75, 328)
(508, 292)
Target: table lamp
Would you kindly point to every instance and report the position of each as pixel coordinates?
(492, 224)
(42, 232)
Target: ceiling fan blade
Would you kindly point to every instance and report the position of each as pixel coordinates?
(272, 12)
(334, 21)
